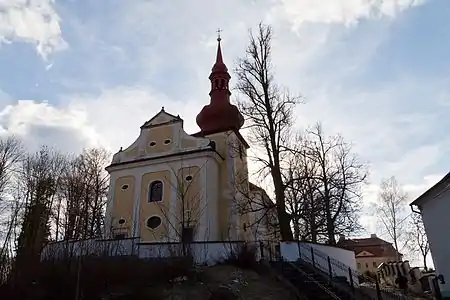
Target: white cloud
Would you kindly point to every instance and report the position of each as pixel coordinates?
(111, 119)
(343, 11)
(41, 123)
(117, 114)
(415, 190)
(32, 21)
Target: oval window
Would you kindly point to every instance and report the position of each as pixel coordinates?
(153, 222)
(121, 221)
(124, 187)
(188, 178)
(166, 142)
(152, 144)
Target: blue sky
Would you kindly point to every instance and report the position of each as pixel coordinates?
(77, 73)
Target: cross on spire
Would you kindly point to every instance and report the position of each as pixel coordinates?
(218, 34)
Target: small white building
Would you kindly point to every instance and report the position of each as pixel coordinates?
(434, 206)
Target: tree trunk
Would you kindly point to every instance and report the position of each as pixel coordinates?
(296, 227)
(283, 217)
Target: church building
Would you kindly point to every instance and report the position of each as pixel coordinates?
(170, 186)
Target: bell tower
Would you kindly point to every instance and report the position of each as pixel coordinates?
(219, 115)
(221, 121)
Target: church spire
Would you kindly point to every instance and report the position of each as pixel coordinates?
(220, 115)
(219, 65)
(219, 78)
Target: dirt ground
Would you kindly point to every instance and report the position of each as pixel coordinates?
(221, 282)
(232, 283)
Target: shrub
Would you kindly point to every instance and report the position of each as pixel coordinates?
(103, 275)
(243, 257)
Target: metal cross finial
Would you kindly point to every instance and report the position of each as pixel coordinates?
(218, 34)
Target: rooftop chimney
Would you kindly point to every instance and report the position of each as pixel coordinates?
(373, 236)
(341, 237)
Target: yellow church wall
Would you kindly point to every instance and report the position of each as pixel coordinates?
(242, 185)
(221, 143)
(227, 145)
(159, 135)
(189, 196)
(131, 152)
(246, 224)
(160, 209)
(223, 205)
(166, 170)
(123, 204)
(188, 143)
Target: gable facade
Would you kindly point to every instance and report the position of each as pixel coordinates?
(165, 175)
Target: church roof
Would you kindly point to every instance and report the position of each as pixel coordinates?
(219, 115)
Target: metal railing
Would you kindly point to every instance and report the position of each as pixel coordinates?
(336, 271)
(330, 293)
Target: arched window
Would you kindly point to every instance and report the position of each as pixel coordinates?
(155, 192)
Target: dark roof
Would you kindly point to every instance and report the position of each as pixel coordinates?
(375, 245)
(434, 191)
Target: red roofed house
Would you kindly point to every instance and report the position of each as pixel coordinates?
(370, 252)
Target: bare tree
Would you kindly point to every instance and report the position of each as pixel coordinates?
(418, 238)
(11, 153)
(391, 210)
(261, 216)
(70, 198)
(333, 180)
(50, 189)
(256, 210)
(38, 181)
(94, 161)
(269, 110)
(79, 211)
(302, 195)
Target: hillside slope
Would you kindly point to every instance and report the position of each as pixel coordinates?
(221, 282)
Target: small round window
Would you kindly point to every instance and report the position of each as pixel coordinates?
(124, 187)
(153, 222)
(152, 144)
(167, 142)
(188, 178)
(121, 221)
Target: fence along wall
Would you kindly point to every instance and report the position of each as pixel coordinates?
(202, 252)
(89, 247)
(341, 261)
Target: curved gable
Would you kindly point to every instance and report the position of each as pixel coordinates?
(161, 136)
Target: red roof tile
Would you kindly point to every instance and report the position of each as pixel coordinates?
(378, 247)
